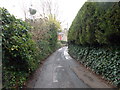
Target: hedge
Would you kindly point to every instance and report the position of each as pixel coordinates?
(93, 39)
(18, 49)
(97, 23)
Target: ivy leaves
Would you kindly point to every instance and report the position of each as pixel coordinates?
(19, 50)
(101, 60)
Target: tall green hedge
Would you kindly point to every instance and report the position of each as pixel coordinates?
(96, 23)
(94, 39)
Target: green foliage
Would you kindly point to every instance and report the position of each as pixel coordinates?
(113, 21)
(57, 23)
(101, 60)
(45, 35)
(96, 23)
(53, 36)
(48, 44)
(23, 49)
(63, 42)
(45, 49)
(93, 38)
(12, 79)
(19, 50)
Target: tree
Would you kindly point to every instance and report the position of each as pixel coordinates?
(24, 9)
(49, 8)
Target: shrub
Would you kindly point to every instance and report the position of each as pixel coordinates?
(19, 50)
(23, 48)
(45, 35)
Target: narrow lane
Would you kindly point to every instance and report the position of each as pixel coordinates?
(61, 71)
(56, 72)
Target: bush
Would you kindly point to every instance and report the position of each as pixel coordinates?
(19, 50)
(23, 48)
(45, 49)
(53, 36)
(45, 35)
(63, 42)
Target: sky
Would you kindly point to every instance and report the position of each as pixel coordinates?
(67, 9)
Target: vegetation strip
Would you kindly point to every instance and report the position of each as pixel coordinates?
(93, 39)
(24, 46)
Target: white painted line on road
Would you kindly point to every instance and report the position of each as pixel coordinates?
(55, 78)
(67, 56)
(54, 75)
(59, 66)
(60, 49)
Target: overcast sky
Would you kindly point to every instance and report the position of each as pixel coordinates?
(67, 8)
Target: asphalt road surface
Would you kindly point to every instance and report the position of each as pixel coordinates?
(61, 71)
